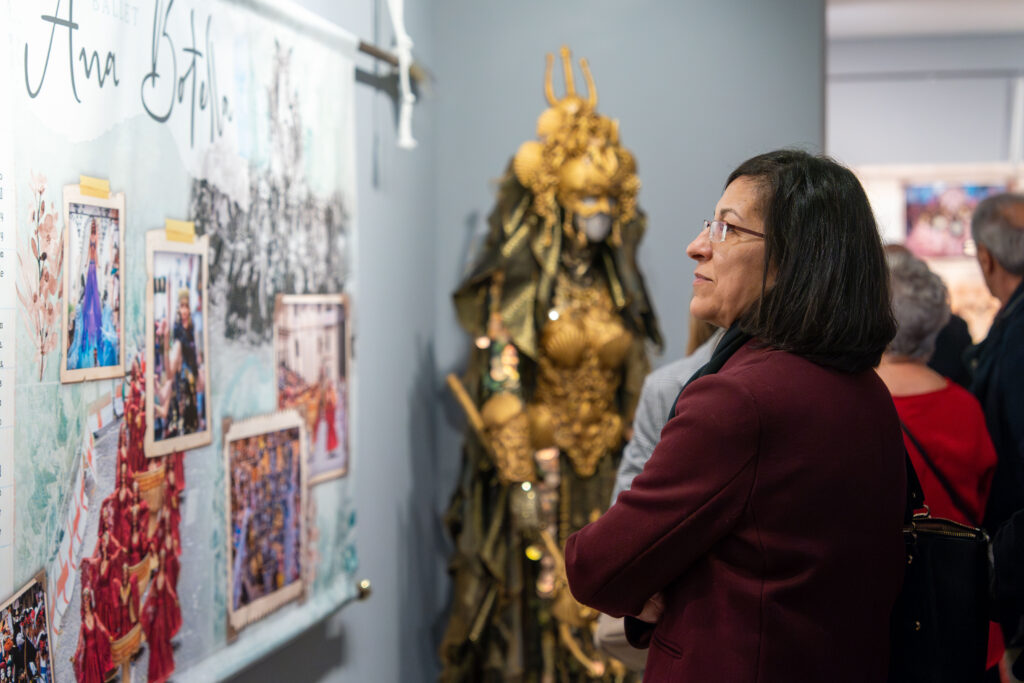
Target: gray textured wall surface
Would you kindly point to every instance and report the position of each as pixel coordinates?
(697, 87)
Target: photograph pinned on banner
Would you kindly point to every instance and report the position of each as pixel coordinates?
(939, 217)
(177, 374)
(311, 355)
(938, 220)
(92, 343)
(929, 209)
(25, 634)
(265, 461)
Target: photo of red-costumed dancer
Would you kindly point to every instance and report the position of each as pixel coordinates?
(161, 620)
(128, 584)
(92, 658)
(311, 345)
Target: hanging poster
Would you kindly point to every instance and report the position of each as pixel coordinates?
(311, 356)
(236, 115)
(92, 339)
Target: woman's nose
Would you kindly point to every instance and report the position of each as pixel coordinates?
(700, 248)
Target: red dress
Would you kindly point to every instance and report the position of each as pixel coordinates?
(950, 426)
(122, 529)
(161, 619)
(106, 599)
(178, 466)
(92, 657)
(330, 408)
(127, 606)
(139, 516)
(172, 565)
(174, 515)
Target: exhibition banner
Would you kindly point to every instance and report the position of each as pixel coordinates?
(220, 133)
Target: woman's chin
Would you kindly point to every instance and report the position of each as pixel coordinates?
(701, 312)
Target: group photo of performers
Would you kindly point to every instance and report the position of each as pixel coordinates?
(128, 584)
(310, 347)
(179, 392)
(94, 288)
(26, 647)
(266, 514)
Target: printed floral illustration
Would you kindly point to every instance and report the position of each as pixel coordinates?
(39, 287)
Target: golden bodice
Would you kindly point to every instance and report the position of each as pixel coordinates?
(582, 355)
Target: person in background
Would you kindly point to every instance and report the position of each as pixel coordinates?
(657, 398)
(998, 362)
(954, 337)
(944, 428)
(948, 360)
(998, 383)
(763, 539)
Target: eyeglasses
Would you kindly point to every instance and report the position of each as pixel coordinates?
(717, 230)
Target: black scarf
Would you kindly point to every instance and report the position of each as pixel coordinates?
(729, 344)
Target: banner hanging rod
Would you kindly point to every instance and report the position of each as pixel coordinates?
(418, 72)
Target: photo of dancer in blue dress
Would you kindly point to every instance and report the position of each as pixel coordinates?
(93, 335)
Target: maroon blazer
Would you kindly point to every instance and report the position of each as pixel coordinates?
(769, 517)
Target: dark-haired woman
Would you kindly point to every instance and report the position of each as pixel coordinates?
(762, 541)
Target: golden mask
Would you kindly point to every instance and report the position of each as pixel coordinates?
(577, 164)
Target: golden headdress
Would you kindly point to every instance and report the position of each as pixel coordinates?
(577, 163)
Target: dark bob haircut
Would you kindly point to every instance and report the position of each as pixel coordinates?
(830, 299)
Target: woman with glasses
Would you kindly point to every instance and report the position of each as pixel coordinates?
(762, 541)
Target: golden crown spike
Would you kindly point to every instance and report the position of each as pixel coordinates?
(577, 164)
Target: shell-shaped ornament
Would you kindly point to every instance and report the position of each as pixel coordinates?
(564, 341)
(500, 408)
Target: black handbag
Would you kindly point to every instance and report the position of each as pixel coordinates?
(939, 625)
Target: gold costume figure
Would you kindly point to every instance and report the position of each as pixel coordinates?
(560, 318)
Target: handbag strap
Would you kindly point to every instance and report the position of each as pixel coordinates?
(915, 494)
(957, 500)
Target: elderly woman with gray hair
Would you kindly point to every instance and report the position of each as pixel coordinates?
(944, 427)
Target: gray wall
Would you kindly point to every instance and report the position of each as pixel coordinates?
(944, 99)
(698, 87)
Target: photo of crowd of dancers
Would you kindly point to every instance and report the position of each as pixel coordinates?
(128, 585)
(25, 657)
(266, 514)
